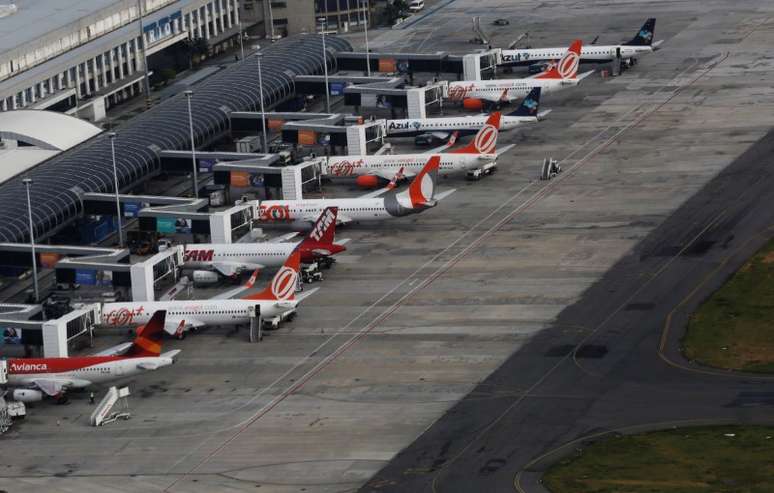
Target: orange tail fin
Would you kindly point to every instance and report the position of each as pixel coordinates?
(148, 340)
(283, 285)
(485, 141)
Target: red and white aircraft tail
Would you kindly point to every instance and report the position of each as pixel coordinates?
(485, 141)
(567, 68)
(283, 285)
(421, 190)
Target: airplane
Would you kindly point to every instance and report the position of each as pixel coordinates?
(558, 76)
(527, 112)
(212, 260)
(371, 171)
(277, 302)
(640, 44)
(419, 196)
(34, 378)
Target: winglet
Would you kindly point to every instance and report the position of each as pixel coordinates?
(485, 141)
(422, 188)
(283, 285)
(567, 68)
(148, 340)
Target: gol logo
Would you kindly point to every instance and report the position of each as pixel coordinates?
(275, 213)
(486, 139)
(284, 283)
(345, 168)
(458, 93)
(122, 316)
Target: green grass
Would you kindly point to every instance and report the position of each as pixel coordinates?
(686, 460)
(734, 329)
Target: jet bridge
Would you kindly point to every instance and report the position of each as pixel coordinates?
(413, 100)
(73, 261)
(183, 216)
(154, 273)
(54, 335)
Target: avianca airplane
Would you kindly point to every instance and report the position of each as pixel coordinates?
(527, 112)
(35, 378)
(559, 76)
(419, 195)
(278, 301)
(230, 259)
(370, 170)
(640, 44)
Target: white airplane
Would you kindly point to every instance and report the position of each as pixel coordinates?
(277, 302)
(371, 170)
(419, 195)
(559, 76)
(640, 44)
(527, 112)
(34, 378)
(211, 260)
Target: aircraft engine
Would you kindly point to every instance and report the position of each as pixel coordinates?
(27, 395)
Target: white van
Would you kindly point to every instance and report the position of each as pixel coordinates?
(416, 5)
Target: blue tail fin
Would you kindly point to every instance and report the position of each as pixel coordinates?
(530, 105)
(645, 36)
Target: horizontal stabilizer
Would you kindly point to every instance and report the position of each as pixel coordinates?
(505, 149)
(444, 194)
(657, 44)
(305, 294)
(543, 114)
(584, 75)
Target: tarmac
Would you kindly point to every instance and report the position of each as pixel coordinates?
(464, 348)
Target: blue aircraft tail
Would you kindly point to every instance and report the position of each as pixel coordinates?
(530, 105)
(645, 36)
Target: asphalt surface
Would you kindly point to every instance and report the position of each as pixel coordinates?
(610, 362)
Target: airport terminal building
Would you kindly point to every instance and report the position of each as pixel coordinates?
(82, 58)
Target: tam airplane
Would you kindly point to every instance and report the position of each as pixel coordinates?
(419, 195)
(229, 259)
(370, 171)
(527, 112)
(35, 378)
(277, 302)
(559, 76)
(640, 44)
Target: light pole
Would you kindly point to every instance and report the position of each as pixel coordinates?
(144, 55)
(112, 136)
(263, 113)
(27, 183)
(323, 23)
(241, 41)
(188, 96)
(368, 55)
(271, 23)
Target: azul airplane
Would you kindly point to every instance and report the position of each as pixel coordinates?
(230, 259)
(559, 76)
(34, 378)
(419, 195)
(277, 302)
(527, 112)
(640, 44)
(371, 170)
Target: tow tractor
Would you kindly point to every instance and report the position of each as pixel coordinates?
(311, 273)
(487, 169)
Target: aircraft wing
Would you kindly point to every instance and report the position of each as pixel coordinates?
(115, 350)
(177, 326)
(285, 237)
(449, 143)
(55, 386)
(232, 268)
(343, 219)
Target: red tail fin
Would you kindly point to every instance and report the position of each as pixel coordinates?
(485, 141)
(324, 229)
(567, 68)
(283, 285)
(422, 187)
(148, 340)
